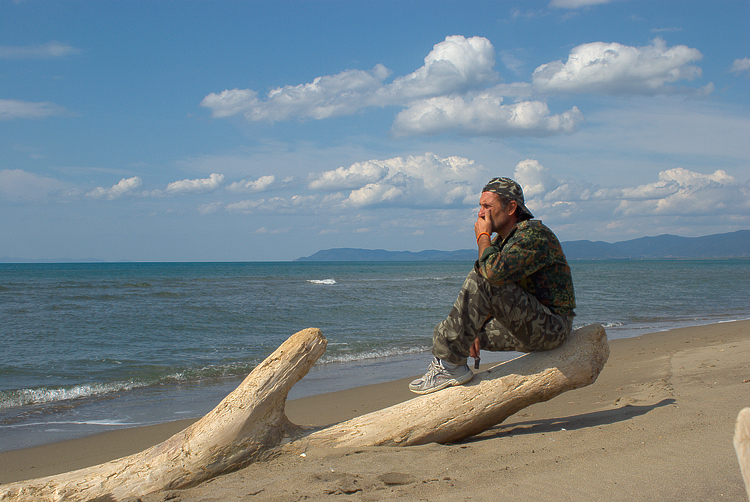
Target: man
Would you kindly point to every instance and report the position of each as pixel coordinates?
(518, 297)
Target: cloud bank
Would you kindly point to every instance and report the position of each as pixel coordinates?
(449, 92)
(396, 192)
(678, 193)
(455, 65)
(457, 89)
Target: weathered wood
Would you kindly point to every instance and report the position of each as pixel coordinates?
(242, 428)
(742, 445)
(492, 396)
(251, 423)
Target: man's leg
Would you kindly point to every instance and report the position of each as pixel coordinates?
(442, 372)
(518, 321)
(525, 326)
(503, 317)
(453, 337)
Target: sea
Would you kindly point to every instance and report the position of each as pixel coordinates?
(92, 347)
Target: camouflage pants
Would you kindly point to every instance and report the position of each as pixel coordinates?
(503, 317)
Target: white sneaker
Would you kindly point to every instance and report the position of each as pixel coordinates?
(438, 377)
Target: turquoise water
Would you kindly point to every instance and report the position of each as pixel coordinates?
(90, 347)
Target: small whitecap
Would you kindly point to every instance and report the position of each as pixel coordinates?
(322, 281)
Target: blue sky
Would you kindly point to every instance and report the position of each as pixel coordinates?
(227, 130)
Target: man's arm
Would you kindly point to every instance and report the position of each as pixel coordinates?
(523, 253)
(483, 232)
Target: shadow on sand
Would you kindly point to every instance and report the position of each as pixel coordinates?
(571, 423)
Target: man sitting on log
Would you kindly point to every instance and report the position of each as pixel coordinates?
(519, 296)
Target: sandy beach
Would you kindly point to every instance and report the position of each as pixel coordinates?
(656, 425)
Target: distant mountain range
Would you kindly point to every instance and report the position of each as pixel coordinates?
(661, 247)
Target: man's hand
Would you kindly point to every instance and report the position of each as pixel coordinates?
(474, 352)
(475, 348)
(483, 230)
(484, 223)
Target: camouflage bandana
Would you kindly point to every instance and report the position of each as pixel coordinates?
(509, 189)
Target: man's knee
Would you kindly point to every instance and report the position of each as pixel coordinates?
(552, 333)
(546, 332)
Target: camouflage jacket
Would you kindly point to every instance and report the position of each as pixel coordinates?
(532, 257)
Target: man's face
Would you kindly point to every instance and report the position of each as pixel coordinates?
(490, 204)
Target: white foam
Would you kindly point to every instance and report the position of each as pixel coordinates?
(322, 281)
(372, 354)
(46, 395)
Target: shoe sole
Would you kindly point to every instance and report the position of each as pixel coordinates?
(448, 383)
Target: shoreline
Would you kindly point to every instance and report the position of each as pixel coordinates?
(657, 425)
(152, 406)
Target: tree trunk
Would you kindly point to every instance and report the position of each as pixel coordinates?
(251, 423)
(742, 445)
(460, 412)
(242, 428)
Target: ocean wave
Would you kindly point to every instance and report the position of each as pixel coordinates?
(209, 372)
(735, 320)
(371, 354)
(98, 423)
(322, 281)
(43, 395)
(604, 324)
(47, 395)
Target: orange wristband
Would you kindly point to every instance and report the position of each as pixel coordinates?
(483, 233)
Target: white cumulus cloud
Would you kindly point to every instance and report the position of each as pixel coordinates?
(546, 195)
(418, 180)
(534, 178)
(680, 191)
(356, 175)
(373, 194)
(196, 185)
(455, 90)
(126, 186)
(484, 114)
(612, 68)
(324, 97)
(258, 185)
(453, 65)
(678, 194)
(741, 65)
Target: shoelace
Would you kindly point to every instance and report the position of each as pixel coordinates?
(434, 370)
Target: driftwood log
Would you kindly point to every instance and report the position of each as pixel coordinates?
(742, 445)
(250, 423)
